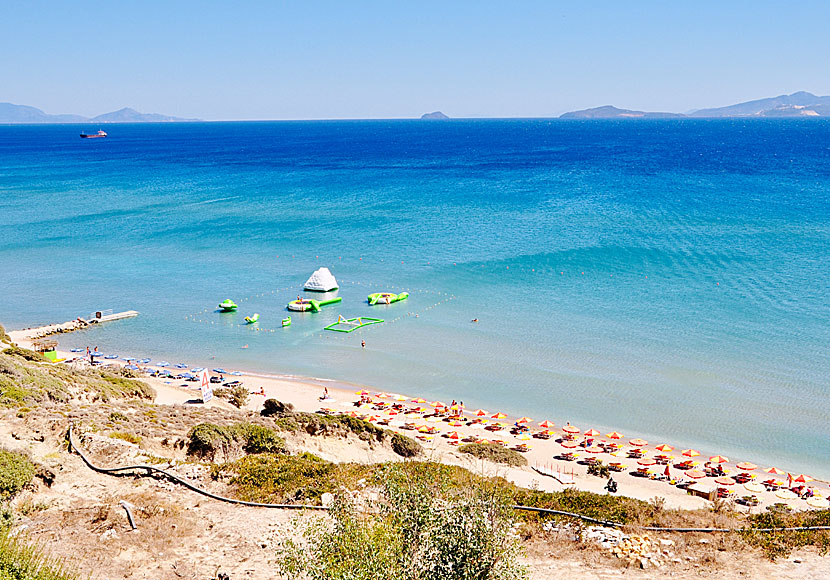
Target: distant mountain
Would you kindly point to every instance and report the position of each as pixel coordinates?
(10, 113)
(611, 112)
(436, 116)
(128, 115)
(800, 104)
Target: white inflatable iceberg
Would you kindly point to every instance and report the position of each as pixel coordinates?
(321, 281)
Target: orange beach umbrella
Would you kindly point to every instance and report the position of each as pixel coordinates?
(690, 453)
(802, 478)
(454, 435)
(638, 442)
(438, 404)
(695, 474)
(546, 424)
(419, 400)
(718, 459)
(774, 471)
(570, 429)
(524, 420)
(614, 435)
(725, 481)
(591, 433)
(646, 462)
(595, 449)
(498, 416)
(480, 413)
(664, 448)
(362, 392)
(746, 466)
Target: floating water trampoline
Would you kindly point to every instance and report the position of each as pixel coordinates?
(252, 319)
(227, 305)
(310, 305)
(386, 297)
(351, 324)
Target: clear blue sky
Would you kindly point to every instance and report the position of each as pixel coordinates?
(386, 59)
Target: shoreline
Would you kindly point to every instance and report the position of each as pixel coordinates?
(304, 393)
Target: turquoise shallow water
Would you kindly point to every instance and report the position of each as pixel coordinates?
(667, 279)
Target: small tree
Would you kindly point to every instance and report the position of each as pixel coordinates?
(423, 526)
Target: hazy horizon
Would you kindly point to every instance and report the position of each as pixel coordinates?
(262, 61)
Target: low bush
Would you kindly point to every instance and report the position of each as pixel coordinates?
(128, 437)
(16, 472)
(495, 453)
(405, 446)
(259, 439)
(21, 561)
(207, 439)
(25, 354)
(779, 544)
(273, 407)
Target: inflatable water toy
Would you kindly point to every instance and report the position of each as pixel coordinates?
(286, 322)
(321, 281)
(309, 305)
(386, 297)
(227, 305)
(351, 324)
(252, 319)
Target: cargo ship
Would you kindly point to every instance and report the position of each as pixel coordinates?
(94, 135)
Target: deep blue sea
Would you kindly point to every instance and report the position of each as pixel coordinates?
(667, 279)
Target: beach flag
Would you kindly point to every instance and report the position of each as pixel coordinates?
(207, 391)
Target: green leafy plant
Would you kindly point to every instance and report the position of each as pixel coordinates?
(495, 453)
(16, 472)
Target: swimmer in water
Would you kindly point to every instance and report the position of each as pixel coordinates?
(246, 346)
(363, 343)
(474, 320)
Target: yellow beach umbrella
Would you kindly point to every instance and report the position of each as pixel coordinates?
(591, 433)
(638, 442)
(614, 435)
(664, 448)
(419, 400)
(524, 420)
(718, 459)
(754, 487)
(802, 478)
(774, 471)
(456, 423)
(570, 429)
(362, 392)
(453, 435)
(498, 416)
(546, 424)
(690, 452)
(480, 413)
(437, 404)
(746, 466)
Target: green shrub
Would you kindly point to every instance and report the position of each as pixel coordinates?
(494, 452)
(259, 439)
(117, 416)
(780, 544)
(21, 561)
(274, 407)
(405, 446)
(597, 468)
(25, 354)
(206, 439)
(3, 336)
(128, 437)
(16, 472)
(238, 396)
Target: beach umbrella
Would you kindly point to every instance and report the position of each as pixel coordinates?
(746, 466)
(695, 474)
(725, 481)
(570, 429)
(802, 478)
(774, 471)
(818, 502)
(718, 459)
(638, 442)
(594, 449)
(362, 392)
(591, 433)
(399, 397)
(131, 367)
(569, 444)
(498, 416)
(690, 453)
(546, 424)
(437, 404)
(480, 413)
(382, 395)
(665, 448)
(482, 441)
(453, 435)
(785, 494)
(754, 487)
(646, 462)
(614, 435)
(419, 400)
(424, 428)
(523, 420)
(456, 423)
(126, 358)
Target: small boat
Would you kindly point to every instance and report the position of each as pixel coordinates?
(227, 305)
(252, 319)
(386, 297)
(98, 135)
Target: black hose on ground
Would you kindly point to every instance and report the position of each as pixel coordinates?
(150, 469)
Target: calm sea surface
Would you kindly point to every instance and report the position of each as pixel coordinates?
(666, 279)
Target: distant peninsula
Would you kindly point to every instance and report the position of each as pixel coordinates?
(797, 105)
(435, 116)
(19, 114)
